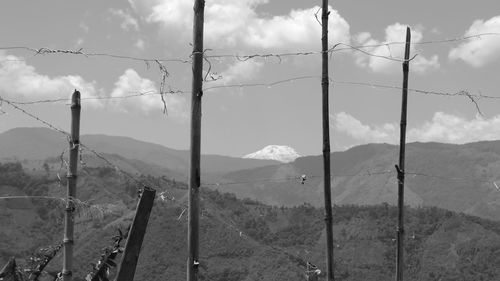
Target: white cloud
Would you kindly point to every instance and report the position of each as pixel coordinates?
(479, 51)
(84, 27)
(132, 4)
(79, 41)
(298, 30)
(131, 83)
(128, 21)
(450, 128)
(443, 127)
(241, 71)
(230, 23)
(140, 44)
(21, 81)
(346, 123)
(393, 33)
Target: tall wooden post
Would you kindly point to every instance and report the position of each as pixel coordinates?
(195, 147)
(401, 167)
(69, 218)
(326, 142)
(135, 237)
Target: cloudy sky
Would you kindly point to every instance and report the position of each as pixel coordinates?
(242, 119)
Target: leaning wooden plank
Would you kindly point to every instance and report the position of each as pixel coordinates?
(126, 271)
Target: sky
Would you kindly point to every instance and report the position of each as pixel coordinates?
(238, 118)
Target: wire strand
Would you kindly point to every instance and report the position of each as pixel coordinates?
(53, 127)
(81, 52)
(94, 152)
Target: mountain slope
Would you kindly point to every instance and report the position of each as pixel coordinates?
(41, 143)
(455, 177)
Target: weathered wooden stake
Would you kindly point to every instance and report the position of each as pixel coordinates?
(69, 218)
(47, 258)
(326, 142)
(195, 147)
(9, 269)
(401, 167)
(126, 271)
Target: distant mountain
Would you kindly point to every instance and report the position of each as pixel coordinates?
(454, 177)
(281, 153)
(41, 143)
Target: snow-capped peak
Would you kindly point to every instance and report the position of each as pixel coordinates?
(280, 153)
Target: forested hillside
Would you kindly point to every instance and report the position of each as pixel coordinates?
(244, 239)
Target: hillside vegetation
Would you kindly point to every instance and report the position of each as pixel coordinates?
(245, 239)
(460, 178)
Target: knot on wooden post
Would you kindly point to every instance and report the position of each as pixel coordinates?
(401, 173)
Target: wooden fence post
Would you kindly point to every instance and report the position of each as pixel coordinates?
(69, 218)
(401, 167)
(195, 147)
(126, 271)
(326, 142)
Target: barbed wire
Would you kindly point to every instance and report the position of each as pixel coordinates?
(81, 52)
(81, 145)
(53, 127)
(304, 178)
(45, 51)
(270, 84)
(419, 91)
(82, 208)
(351, 47)
(474, 98)
(139, 94)
(421, 174)
(389, 57)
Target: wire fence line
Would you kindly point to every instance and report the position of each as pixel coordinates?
(82, 146)
(244, 57)
(81, 52)
(82, 208)
(305, 178)
(463, 93)
(335, 48)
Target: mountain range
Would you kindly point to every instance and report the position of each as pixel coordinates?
(460, 178)
(42, 143)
